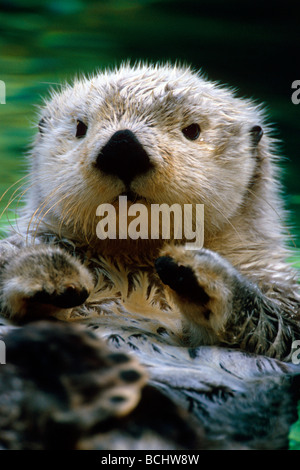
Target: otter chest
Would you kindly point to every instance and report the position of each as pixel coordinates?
(129, 299)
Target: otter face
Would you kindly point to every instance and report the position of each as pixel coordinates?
(155, 133)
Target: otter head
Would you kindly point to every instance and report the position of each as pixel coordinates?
(157, 134)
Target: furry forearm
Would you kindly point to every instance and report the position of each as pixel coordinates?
(221, 306)
(257, 324)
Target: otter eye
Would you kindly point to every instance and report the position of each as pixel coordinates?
(81, 129)
(192, 132)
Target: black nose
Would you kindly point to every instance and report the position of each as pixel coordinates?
(123, 156)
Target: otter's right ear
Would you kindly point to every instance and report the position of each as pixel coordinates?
(256, 134)
(42, 125)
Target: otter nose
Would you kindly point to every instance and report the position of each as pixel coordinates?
(123, 156)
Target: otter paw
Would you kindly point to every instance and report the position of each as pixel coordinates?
(201, 283)
(181, 279)
(42, 282)
(75, 391)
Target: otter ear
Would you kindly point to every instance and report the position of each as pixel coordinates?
(42, 125)
(256, 134)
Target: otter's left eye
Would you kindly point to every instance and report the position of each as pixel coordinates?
(192, 132)
(81, 129)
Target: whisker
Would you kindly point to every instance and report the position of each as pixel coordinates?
(11, 186)
(278, 215)
(67, 214)
(64, 219)
(14, 226)
(87, 236)
(68, 211)
(76, 215)
(227, 220)
(47, 211)
(13, 197)
(41, 207)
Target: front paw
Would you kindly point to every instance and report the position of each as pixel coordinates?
(43, 281)
(181, 279)
(200, 283)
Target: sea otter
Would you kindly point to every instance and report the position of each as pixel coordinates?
(157, 135)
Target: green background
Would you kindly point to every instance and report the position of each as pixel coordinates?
(252, 46)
